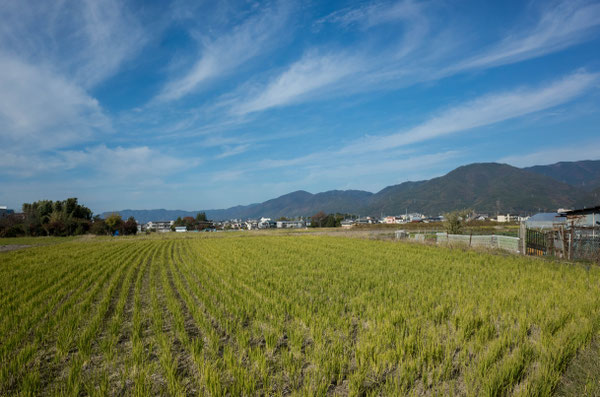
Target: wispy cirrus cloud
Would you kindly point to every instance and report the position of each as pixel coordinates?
(483, 111)
(87, 40)
(135, 164)
(415, 56)
(373, 14)
(311, 73)
(233, 151)
(486, 110)
(560, 26)
(222, 55)
(585, 150)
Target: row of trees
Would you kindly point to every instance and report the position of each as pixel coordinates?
(114, 224)
(48, 218)
(61, 218)
(200, 222)
(321, 219)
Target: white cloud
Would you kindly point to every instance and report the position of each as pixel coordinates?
(87, 39)
(566, 24)
(127, 163)
(133, 165)
(374, 14)
(233, 151)
(486, 110)
(311, 73)
(224, 54)
(582, 151)
(40, 110)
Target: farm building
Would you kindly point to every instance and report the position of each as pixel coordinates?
(544, 220)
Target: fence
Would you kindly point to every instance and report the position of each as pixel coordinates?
(485, 241)
(560, 242)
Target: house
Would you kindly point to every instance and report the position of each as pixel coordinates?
(507, 218)
(160, 226)
(251, 224)
(291, 224)
(4, 211)
(266, 223)
(180, 229)
(480, 217)
(347, 223)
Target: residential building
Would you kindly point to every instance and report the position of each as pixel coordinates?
(507, 218)
(4, 211)
(291, 224)
(266, 223)
(160, 226)
(347, 223)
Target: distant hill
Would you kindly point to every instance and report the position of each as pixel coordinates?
(583, 174)
(484, 187)
(487, 187)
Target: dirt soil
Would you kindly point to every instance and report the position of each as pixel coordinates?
(12, 247)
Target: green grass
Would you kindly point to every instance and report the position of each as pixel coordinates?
(259, 314)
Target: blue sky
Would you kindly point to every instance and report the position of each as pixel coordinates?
(198, 106)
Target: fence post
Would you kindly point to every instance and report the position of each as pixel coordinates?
(523, 238)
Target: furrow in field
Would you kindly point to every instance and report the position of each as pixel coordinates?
(229, 353)
(162, 327)
(70, 381)
(16, 279)
(53, 287)
(41, 349)
(141, 365)
(186, 342)
(101, 365)
(59, 350)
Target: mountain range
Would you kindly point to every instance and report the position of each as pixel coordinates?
(484, 187)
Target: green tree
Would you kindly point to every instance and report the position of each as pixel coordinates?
(201, 217)
(114, 222)
(455, 221)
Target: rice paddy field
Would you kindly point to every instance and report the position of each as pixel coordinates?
(243, 314)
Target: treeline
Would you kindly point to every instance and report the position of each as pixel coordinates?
(321, 219)
(114, 225)
(198, 223)
(61, 218)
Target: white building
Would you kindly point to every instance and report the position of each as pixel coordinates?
(347, 223)
(160, 226)
(507, 218)
(291, 224)
(180, 229)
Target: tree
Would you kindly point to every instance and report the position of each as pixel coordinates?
(130, 226)
(114, 223)
(201, 217)
(455, 221)
(318, 219)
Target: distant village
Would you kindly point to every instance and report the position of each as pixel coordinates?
(345, 221)
(305, 222)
